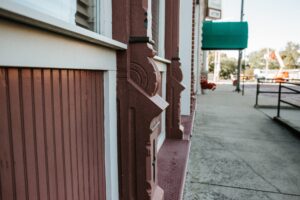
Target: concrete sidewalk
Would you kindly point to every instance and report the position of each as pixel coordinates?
(238, 152)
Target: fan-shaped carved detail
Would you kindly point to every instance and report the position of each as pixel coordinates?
(146, 76)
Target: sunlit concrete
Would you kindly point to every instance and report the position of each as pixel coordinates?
(238, 152)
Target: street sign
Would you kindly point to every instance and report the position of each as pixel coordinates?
(214, 9)
(214, 14)
(215, 4)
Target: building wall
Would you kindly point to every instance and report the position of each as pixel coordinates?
(25, 46)
(185, 50)
(39, 44)
(47, 66)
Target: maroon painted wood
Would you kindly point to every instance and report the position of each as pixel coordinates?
(139, 103)
(51, 134)
(174, 128)
(17, 135)
(49, 118)
(7, 175)
(30, 133)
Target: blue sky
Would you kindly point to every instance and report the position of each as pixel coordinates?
(272, 23)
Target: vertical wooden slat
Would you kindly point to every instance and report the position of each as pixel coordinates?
(0, 183)
(79, 134)
(30, 137)
(73, 134)
(94, 135)
(66, 133)
(90, 133)
(6, 156)
(100, 135)
(16, 131)
(84, 132)
(40, 135)
(50, 134)
(58, 135)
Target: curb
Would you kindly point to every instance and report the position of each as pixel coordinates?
(287, 125)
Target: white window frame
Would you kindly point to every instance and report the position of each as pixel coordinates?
(104, 8)
(33, 17)
(162, 67)
(161, 28)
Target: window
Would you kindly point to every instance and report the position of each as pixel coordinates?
(155, 23)
(87, 15)
(61, 9)
(158, 26)
(94, 15)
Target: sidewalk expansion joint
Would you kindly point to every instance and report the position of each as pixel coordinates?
(255, 139)
(242, 188)
(248, 165)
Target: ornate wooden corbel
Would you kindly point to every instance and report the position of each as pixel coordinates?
(139, 105)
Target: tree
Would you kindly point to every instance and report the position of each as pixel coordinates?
(257, 59)
(291, 55)
(228, 65)
(211, 61)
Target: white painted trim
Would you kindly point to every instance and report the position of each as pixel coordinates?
(29, 16)
(162, 67)
(149, 20)
(106, 17)
(25, 46)
(161, 29)
(110, 129)
(162, 136)
(163, 60)
(185, 48)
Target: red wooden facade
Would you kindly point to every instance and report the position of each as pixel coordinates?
(52, 144)
(174, 74)
(51, 134)
(139, 101)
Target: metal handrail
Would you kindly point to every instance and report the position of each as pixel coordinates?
(274, 81)
(294, 91)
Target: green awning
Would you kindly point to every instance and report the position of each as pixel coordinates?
(224, 35)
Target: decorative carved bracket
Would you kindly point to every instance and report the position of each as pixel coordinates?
(138, 103)
(174, 74)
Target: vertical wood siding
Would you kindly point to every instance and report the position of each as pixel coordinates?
(51, 134)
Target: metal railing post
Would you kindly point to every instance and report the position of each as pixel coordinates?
(279, 100)
(243, 88)
(257, 92)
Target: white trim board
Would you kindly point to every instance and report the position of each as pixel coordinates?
(25, 46)
(162, 67)
(110, 129)
(162, 60)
